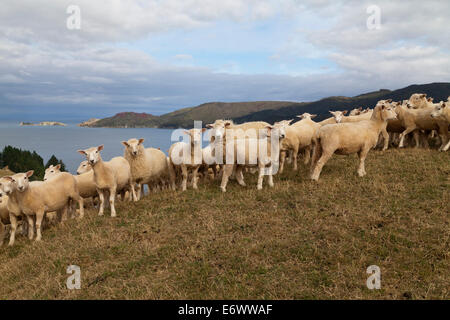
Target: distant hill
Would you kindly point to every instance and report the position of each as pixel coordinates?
(269, 111)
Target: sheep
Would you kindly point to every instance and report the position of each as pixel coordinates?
(421, 119)
(365, 116)
(4, 215)
(419, 101)
(336, 118)
(84, 167)
(442, 112)
(236, 147)
(298, 136)
(347, 138)
(12, 205)
(148, 165)
(38, 199)
(113, 176)
(183, 157)
(264, 152)
(85, 180)
(356, 111)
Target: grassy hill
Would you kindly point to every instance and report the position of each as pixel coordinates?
(299, 240)
(269, 111)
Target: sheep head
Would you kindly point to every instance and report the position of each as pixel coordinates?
(134, 146)
(92, 154)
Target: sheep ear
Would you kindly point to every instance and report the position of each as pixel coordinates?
(100, 148)
(57, 167)
(82, 152)
(228, 123)
(209, 126)
(30, 173)
(313, 115)
(10, 179)
(125, 143)
(187, 132)
(332, 112)
(301, 116)
(344, 112)
(269, 130)
(203, 129)
(389, 100)
(141, 140)
(288, 122)
(423, 95)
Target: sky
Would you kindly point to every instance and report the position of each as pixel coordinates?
(157, 56)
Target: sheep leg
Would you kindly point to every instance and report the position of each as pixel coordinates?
(227, 171)
(307, 154)
(80, 201)
(362, 154)
(13, 220)
(386, 139)
(101, 196)
(138, 191)
(240, 176)
(446, 146)
(30, 227)
(402, 136)
(416, 134)
(443, 134)
(282, 160)
(319, 165)
(2, 233)
(184, 173)
(294, 155)
(112, 198)
(270, 176)
(260, 176)
(195, 178)
(39, 216)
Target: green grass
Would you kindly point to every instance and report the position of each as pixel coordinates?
(299, 240)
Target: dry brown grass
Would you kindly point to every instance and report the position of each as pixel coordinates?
(299, 240)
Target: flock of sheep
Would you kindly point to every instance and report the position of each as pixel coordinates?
(388, 123)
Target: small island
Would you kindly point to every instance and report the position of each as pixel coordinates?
(88, 123)
(44, 124)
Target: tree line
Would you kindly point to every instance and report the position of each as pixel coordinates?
(18, 160)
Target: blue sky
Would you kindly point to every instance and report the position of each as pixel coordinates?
(158, 56)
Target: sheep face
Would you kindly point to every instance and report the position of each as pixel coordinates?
(5, 188)
(195, 135)
(218, 128)
(417, 100)
(84, 167)
(338, 115)
(134, 146)
(20, 181)
(92, 154)
(51, 171)
(307, 115)
(6, 185)
(438, 110)
(387, 112)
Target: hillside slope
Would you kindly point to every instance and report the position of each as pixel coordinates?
(269, 111)
(298, 240)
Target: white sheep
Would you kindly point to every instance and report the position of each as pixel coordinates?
(38, 199)
(414, 120)
(183, 157)
(442, 112)
(298, 136)
(351, 137)
(4, 214)
(85, 180)
(112, 176)
(148, 165)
